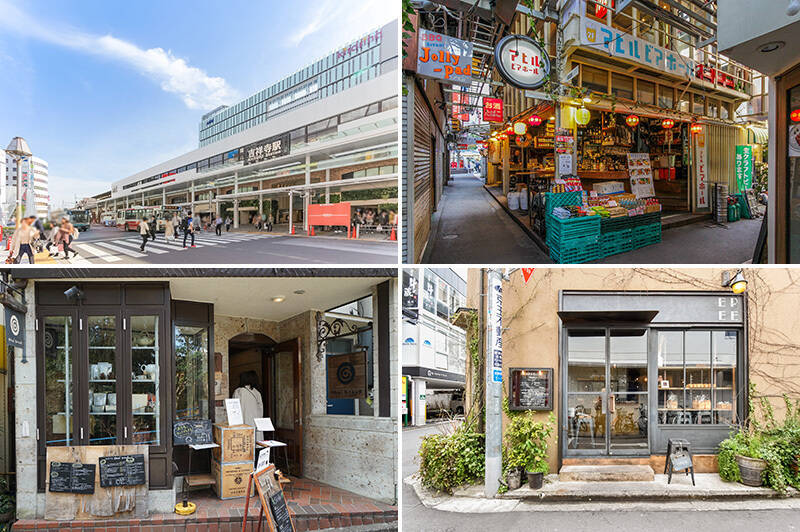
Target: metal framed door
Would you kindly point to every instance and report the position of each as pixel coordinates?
(606, 386)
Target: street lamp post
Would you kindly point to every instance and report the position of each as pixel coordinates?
(19, 149)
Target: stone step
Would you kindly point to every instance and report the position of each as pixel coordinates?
(606, 473)
(643, 460)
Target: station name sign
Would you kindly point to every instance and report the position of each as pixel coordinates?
(364, 42)
(267, 149)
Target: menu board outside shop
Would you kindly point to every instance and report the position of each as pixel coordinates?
(531, 389)
(641, 175)
(71, 477)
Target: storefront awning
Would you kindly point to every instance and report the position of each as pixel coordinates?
(757, 135)
(602, 317)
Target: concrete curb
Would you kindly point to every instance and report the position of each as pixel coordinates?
(470, 500)
(531, 234)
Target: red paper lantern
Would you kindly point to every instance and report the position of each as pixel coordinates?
(502, 136)
(535, 120)
(795, 115)
(632, 120)
(667, 123)
(696, 128)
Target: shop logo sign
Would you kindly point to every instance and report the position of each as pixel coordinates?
(14, 331)
(522, 62)
(444, 58)
(492, 109)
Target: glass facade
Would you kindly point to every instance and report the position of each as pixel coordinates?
(338, 71)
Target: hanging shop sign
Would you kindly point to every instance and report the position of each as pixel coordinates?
(521, 61)
(744, 166)
(347, 376)
(267, 149)
(15, 334)
(460, 112)
(701, 163)
(444, 58)
(410, 294)
(617, 43)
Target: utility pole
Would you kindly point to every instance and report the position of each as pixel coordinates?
(494, 382)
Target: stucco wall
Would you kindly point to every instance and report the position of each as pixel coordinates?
(531, 325)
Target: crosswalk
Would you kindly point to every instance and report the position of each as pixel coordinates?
(128, 246)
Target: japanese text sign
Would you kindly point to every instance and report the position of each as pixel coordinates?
(521, 61)
(492, 109)
(267, 149)
(744, 166)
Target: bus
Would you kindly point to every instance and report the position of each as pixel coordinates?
(80, 218)
(128, 219)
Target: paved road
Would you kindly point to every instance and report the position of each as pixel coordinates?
(102, 245)
(471, 228)
(417, 517)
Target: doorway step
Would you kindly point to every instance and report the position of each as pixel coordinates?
(677, 219)
(618, 471)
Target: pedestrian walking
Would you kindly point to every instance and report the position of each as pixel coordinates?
(188, 228)
(67, 236)
(176, 224)
(227, 223)
(169, 230)
(270, 220)
(22, 242)
(144, 230)
(153, 225)
(218, 225)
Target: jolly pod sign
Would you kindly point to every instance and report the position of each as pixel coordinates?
(444, 58)
(521, 61)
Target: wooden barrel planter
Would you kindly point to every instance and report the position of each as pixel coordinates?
(751, 470)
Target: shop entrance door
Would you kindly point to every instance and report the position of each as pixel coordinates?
(606, 407)
(287, 414)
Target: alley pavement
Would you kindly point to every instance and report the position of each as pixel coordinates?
(471, 227)
(634, 516)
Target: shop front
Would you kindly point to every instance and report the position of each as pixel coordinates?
(639, 369)
(117, 359)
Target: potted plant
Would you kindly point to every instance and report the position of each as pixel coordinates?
(7, 502)
(525, 447)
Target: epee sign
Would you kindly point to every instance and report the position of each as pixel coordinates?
(522, 62)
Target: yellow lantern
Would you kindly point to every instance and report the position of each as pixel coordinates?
(582, 116)
(520, 128)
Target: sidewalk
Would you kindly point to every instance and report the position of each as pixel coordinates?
(570, 496)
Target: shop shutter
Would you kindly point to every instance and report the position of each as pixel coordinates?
(407, 193)
(722, 140)
(423, 193)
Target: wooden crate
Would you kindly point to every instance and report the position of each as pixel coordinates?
(236, 443)
(231, 479)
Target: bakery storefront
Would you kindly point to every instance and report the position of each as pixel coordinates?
(116, 357)
(637, 369)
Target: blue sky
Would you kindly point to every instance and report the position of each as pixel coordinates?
(103, 89)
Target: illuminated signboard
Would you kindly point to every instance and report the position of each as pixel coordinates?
(522, 62)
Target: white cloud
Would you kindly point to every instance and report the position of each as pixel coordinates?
(342, 20)
(197, 89)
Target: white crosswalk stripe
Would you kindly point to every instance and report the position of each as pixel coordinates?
(129, 244)
(138, 245)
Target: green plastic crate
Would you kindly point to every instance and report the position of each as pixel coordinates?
(553, 200)
(646, 235)
(609, 225)
(571, 228)
(576, 251)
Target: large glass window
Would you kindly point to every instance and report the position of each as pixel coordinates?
(645, 91)
(145, 380)
(102, 345)
(59, 353)
(697, 377)
(622, 86)
(666, 97)
(191, 372)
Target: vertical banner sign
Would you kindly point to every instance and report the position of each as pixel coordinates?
(744, 166)
(702, 172)
(15, 334)
(410, 294)
(492, 109)
(496, 326)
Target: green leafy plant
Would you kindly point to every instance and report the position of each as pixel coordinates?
(7, 500)
(525, 441)
(451, 460)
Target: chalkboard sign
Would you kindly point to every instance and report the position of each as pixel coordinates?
(531, 389)
(280, 512)
(72, 477)
(270, 492)
(122, 470)
(191, 431)
(681, 461)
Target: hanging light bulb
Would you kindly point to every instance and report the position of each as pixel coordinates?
(520, 128)
(582, 116)
(632, 120)
(667, 123)
(535, 120)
